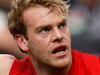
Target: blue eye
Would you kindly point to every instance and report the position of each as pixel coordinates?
(62, 25)
(44, 30)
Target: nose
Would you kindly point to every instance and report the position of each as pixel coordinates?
(57, 35)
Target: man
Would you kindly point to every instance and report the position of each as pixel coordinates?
(41, 31)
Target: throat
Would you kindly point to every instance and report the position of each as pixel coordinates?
(42, 69)
(57, 71)
(54, 71)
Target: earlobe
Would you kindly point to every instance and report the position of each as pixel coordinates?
(22, 43)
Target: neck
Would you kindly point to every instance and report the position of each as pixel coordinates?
(51, 71)
(47, 70)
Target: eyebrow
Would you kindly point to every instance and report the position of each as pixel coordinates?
(43, 26)
(40, 27)
(63, 21)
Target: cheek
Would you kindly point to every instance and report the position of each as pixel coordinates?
(67, 37)
(67, 34)
(38, 42)
(39, 48)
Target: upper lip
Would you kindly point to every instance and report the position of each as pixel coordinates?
(59, 48)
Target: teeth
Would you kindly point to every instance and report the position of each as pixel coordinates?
(60, 51)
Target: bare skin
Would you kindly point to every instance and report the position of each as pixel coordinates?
(8, 44)
(48, 43)
(5, 66)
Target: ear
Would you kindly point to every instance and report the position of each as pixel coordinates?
(22, 42)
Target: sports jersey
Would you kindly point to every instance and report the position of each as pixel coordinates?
(82, 64)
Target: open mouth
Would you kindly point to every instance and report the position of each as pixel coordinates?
(60, 49)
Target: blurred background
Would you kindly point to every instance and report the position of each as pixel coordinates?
(83, 20)
(7, 43)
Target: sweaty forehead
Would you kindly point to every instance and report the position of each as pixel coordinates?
(35, 12)
(40, 16)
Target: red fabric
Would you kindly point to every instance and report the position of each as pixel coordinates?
(82, 64)
(22, 67)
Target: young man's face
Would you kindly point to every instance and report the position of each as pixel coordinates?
(48, 35)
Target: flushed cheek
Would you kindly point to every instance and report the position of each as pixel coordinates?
(44, 41)
(41, 46)
(39, 50)
(67, 36)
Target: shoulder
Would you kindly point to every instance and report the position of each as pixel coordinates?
(6, 61)
(86, 63)
(85, 55)
(85, 58)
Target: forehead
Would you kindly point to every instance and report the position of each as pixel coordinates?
(40, 16)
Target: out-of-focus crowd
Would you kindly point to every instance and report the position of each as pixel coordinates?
(83, 20)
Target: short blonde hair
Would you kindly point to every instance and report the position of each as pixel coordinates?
(15, 23)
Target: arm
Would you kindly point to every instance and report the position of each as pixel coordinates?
(8, 44)
(6, 61)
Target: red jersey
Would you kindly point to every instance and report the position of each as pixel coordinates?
(22, 67)
(82, 64)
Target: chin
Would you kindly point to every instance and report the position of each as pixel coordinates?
(63, 63)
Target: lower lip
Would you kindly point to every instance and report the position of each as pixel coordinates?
(60, 54)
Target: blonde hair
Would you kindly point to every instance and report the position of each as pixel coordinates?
(15, 23)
